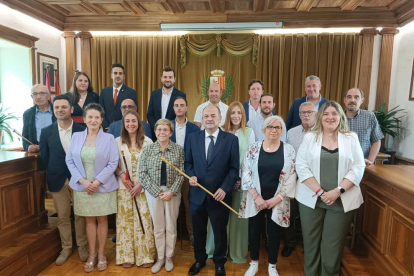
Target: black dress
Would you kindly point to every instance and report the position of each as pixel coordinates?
(91, 97)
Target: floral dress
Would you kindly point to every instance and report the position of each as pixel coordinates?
(132, 245)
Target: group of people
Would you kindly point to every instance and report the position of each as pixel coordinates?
(102, 159)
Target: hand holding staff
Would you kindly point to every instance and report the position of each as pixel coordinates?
(135, 200)
(189, 178)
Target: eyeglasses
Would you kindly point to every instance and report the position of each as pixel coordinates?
(306, 112)
(277, 128)
(34, 94)
(128, 107)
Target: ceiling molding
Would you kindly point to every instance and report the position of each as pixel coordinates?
(17, 37)
(146, 15)
(39, 11)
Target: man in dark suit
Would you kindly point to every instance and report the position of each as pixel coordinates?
(252, 106)
(37, 117)
(115, 127)
(112, 96)
(162, 100)
(182, 129)
(312, 88)
(212, 160)
(54, 143)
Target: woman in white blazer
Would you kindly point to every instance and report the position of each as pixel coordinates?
(330, 165)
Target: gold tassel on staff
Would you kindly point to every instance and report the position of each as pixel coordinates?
(199, 185)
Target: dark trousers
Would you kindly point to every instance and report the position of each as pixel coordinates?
(273, 235)
(289, 232)
(219, 217)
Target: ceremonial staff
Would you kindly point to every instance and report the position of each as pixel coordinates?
(199, 185)
(135, 200)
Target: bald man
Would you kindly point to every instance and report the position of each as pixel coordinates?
(115, 127)
(214, 95)
(37, 117)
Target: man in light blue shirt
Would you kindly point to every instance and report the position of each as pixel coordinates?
(37, 117)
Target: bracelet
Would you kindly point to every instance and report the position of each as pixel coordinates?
(317, 192)
(320, 193)
(121, 174)
(280, 196)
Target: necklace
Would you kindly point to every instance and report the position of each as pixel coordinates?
(268, 148)
(82, 96)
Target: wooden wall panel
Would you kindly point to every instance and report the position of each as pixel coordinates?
(400, 249)
(375, 212)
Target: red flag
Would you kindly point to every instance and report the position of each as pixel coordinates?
(57, 85)
(47, 80)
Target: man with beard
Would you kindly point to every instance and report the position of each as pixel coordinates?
(162, 100)
(112, 96)
(364, 123)
(307, 113)
(54, 143)
(214, 98)
(266, 106)
(312, 88)
(252, 106)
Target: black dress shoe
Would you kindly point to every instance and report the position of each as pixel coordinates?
(195, 268)
(220, 271)
(287, 251)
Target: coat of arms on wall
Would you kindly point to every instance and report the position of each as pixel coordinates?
(217, 76)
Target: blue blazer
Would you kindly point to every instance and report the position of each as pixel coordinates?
(115, 129)
(222, 172)
(53, 156)
(246, 110)
(106, 161)
(29, 126)
(190, 128)
(106, 100)
(154, 107)
(293, 119)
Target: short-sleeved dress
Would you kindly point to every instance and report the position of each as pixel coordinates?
(98, 204)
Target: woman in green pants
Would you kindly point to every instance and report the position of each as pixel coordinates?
(330, 165)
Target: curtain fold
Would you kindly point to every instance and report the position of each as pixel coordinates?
(232, 44)
(283, 62)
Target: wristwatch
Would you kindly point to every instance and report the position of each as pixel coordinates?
(342, 190)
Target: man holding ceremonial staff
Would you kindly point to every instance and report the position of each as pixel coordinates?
(212, 160)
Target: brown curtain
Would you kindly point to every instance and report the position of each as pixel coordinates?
(283, 63)
(143, 57)
(285, 60)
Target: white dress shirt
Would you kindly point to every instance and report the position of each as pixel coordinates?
(254, 113)
(65, 136)
(199, 113)
(165, 100)
(113, 90)
(208, 140)
(180, 132)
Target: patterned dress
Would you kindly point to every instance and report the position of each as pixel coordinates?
(98, 204)
(132, 245)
